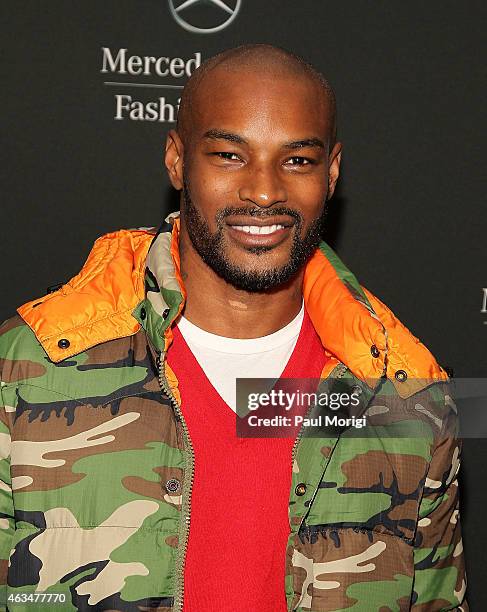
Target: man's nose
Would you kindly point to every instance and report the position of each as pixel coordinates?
(262, 186)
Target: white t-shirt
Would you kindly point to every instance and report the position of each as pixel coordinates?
(225, 359)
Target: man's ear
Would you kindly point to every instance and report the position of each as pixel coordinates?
(174, 159)
(334, 168)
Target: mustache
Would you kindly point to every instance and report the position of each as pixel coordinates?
(258, 213)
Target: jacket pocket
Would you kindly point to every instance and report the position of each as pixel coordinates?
(374, 484)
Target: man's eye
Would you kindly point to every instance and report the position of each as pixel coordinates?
(299, 161)
(227, 155)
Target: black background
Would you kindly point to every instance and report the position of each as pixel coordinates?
(409, 216)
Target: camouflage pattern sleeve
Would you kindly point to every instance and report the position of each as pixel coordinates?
(7, 522)
(439, 565)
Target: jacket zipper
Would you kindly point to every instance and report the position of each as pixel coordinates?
(187, 487)
(337, 372)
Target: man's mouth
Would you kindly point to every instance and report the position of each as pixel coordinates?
(258, 229)
(253, 232)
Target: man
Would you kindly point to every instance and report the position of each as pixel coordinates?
(124, 483)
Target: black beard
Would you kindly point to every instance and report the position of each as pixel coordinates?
(210, 246)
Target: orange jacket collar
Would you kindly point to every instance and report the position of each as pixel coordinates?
(97, 305)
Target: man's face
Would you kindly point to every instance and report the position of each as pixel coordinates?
(255, 177)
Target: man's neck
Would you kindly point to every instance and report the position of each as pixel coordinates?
(219, 308)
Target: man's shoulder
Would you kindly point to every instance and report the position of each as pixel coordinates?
(361, 331)
(94, 305)
(423, 387)
(25, 363)
(411, 364)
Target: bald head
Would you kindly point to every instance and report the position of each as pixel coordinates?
(266, 60)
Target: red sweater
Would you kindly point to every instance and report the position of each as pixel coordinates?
(235, 560)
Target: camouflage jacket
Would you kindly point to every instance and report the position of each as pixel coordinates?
(96, 464)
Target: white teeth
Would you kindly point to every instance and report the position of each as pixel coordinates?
(256, 229)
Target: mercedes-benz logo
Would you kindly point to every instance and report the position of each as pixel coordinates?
(227, 11)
